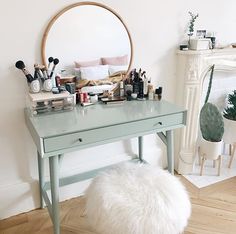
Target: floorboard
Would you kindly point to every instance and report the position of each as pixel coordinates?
(213, 212)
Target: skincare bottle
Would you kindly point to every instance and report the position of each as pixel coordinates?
(93, 98)
(140, 85)
(145, 86)
(135, 82)
(159, 93)
(150, 92)
(122, 91)
(156, 95)
(57, 80)
(128, 85)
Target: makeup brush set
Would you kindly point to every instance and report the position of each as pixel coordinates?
(42, 79)
(48, 100)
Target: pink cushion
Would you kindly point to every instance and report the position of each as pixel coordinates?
(118, 60)
(88, 63)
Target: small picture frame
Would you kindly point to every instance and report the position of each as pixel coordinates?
(201, 34)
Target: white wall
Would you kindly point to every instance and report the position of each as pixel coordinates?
(156, 27)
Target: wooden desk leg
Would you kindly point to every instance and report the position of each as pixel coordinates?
(54, 182)
(170, 151)
(140, 148)
(232, 155)
(41, 178)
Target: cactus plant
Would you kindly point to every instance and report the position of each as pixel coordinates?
(211, 120)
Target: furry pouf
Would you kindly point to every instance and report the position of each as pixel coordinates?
(137, 199)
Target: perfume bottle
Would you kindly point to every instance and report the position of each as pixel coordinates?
(135, 79)
(150, 92)
(122, 91)
(159, 93)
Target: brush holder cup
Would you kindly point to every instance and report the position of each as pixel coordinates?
(47, 85)
(34, 86)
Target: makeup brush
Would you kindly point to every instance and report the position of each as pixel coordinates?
(44, 71)
(20, 65)
(38, 71)
(55, 62)
(50, 60)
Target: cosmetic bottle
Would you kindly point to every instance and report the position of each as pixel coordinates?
(122, 91)
(159, 93)
(93, 98)
(156, 95)
(128, 85)
(135, 85)
(140, 88)
(145, 86)
(150, 92)
(57, 80)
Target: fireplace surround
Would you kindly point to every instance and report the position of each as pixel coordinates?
(191, 69)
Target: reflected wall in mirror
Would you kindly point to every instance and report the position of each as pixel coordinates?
(91, 41)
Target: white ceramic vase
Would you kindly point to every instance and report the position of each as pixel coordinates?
(229, 136)
(34, 86)
(47, 85)
(210, 150)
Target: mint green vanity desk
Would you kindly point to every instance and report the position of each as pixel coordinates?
(83, 127)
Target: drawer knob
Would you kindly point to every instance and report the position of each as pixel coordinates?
(78, 140)
(159, 123)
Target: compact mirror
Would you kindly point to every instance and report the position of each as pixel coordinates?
(91, 42)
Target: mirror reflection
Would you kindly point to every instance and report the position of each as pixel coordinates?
(92, 42)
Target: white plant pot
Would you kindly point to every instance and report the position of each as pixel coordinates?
(210, 150)
(230, 131)
(200, 44)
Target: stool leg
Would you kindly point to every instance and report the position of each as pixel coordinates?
(219, 167)
(230, 149)
(202, 165)
(232, 156)
(140, 148)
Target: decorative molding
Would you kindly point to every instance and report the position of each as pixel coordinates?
(191, 70)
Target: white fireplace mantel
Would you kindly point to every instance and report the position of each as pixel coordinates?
(191, 69)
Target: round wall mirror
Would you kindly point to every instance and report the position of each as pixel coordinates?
(91, 41)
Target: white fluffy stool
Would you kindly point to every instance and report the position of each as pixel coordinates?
(137, 199)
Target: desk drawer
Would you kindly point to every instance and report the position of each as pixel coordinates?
(94, 136)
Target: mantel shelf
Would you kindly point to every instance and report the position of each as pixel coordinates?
(225, 51)
(192, 66)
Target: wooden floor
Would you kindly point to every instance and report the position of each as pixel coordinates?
(213, 212)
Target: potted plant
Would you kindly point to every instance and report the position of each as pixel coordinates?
(212, 128)
(193, 17)
(229, 115)
(230, 119)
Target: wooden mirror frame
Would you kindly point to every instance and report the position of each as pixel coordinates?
(53, 20)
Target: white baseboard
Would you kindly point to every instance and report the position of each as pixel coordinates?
(23, 196)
